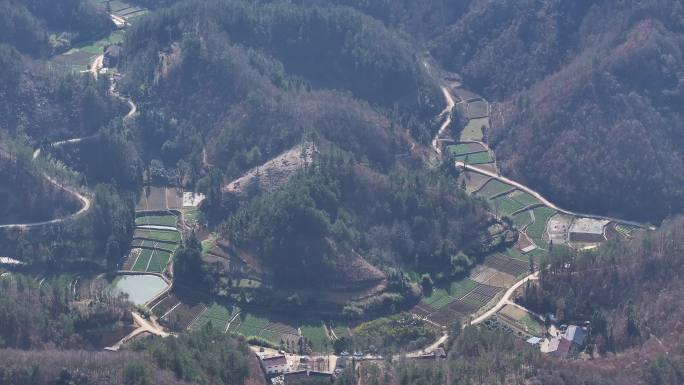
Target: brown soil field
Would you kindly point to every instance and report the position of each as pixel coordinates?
(506, 264)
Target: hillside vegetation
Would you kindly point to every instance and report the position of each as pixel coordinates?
(590, 93)
(259, 79)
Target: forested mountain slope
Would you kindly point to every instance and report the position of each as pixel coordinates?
(588, 93)
(591, 97)
(629, 292)
(43, 27)
(258, 79)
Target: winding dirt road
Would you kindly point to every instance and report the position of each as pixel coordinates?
(143, 326)
(95, 67)
(544, 201)
(447, 122)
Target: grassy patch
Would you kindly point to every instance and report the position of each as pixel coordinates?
(459, 149)
(315, 334)
(209, 243)
(473, 130)
(522, 219)
(533, 325)
(536, 230)
(191, 215)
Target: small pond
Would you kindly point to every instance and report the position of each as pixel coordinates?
(140, 288)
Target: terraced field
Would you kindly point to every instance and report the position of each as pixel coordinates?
(461, 288)
(156, 220)
(218, 315)
(457, 310)
(475, 158)
(438, 299)
(465, 148)
(505, 205)
(494, 187)
(473, 130)
(168, 246)
(481, 295)
(157, 235)
(507, 265)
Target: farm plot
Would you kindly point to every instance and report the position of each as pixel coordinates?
(315, 334)
(505, 205)
(501, 279)
(537, 229)
(475, 158)
(158, 261)
(157, 235)
(507, 265)
(465, 148)
(482, 273)
(160, 199)
(494, 187)
(250, 325)
(473, 181)
(478, 109)
(144, 243)
(457, 310)
(474, 129)
(520, 319)
(522, 219)
(149, 260)
(183, 315)
(481, 295)
(156, 220)
(515, 253)
(218, 315)
(461, 288)
(131, 258)
(438, 299)
(524, 198)
(166, 304)
(80, 57)
(422, 310)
